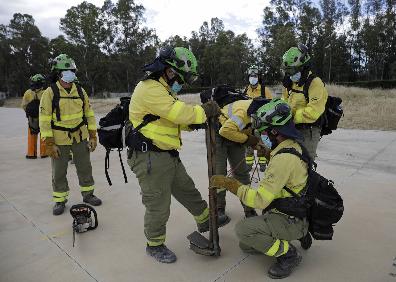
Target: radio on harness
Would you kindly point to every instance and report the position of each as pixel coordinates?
(85, 218)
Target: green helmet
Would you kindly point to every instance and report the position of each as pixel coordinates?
(183, 61)
(275, 113)
(37, 78)
(295, 58)
(63, 62)
(253, 70)
(37, 81)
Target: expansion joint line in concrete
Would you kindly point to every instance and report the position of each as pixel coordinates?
(224, 273)
(372, 158)
(48, 237)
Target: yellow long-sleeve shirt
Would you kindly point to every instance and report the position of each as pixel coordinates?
(304, 112)
(282, 170)
(256, 92)
(155, 97)
(234, 119)
(71, 113)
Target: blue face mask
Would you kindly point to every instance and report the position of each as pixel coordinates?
(68, 76)
(266, 141)
(176, 87)
(295, 77)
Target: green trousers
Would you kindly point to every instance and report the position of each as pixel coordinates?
(235, 154)
(311, 139)
(160, 175)
(81, 156)
(269, 233)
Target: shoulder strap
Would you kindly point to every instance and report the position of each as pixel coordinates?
(304, 156)
(262, 90)
(306, 86)
(81, 94)
(55, 100)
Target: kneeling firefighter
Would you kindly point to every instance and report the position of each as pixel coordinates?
(66, 122)
(153, 145)
(31, 105)
(272, 232)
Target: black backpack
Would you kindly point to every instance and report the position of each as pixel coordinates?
(111, 133)
(333, 110)
(222, 95)
(33, 107)
(320, 201)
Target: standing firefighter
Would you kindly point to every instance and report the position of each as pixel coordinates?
(306, 94)
(153, 146)
(255, 89)
(272, 232)
(31, 105)
(66, 122)
(231, 141)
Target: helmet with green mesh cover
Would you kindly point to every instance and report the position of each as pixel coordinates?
(276, 113)
(182, 61)
(37, 81)
(63, 62)
(253, 70)
(37, 78)
(295, 58)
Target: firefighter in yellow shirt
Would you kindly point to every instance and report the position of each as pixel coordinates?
(255, 89)
(306, 94)
(272, 232)
(67, 123)
(153, 146)
(31, 105)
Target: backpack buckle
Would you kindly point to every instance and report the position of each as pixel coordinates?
(144, 147)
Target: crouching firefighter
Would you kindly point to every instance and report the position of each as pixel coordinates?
(154, 142)
(272, 232)
(31, 105)
(66, 122)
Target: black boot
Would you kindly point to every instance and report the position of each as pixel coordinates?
(222, 219)
(92, 200)
(306, 241)
(285, 264)
(58, 208)
(161, 253)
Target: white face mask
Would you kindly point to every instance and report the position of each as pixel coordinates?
(295, 77)
(68, 76)
(253, 80)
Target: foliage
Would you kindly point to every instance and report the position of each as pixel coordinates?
(352, 41)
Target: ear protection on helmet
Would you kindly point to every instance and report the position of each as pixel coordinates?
(169, 53)
(304, 50)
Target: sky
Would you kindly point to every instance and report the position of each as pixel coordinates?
(167, 17)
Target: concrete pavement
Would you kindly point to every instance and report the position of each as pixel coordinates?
(37, 246)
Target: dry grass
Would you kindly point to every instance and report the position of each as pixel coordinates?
(363, 108)
(366, 108)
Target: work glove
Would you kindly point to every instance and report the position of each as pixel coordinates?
(51, 149)
(197, 126)
(221, 181)
(92, 143)
(252, 141)
(211, 109)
